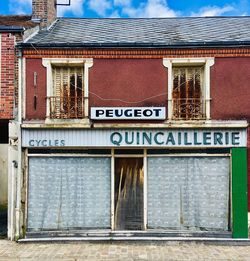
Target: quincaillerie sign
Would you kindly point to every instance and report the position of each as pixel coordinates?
(128, 113)
(134, 138)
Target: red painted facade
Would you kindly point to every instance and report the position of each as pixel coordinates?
(7, 69)
(128, 82)
(143, 82)
(35, 94)
(230, 90)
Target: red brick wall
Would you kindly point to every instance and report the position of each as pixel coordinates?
(7, 75)
(44, 10)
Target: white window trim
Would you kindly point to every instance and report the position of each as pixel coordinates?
(207, 62)
(49, 62)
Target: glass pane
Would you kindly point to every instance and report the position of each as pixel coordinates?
(188, 193)
(68, 193)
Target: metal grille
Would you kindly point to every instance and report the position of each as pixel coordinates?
(66, 107)
(190, 108)
(68, 193)
(68, 99)
(188, 193)
(187, 97)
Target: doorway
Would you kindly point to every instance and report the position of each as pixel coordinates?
(128, 193)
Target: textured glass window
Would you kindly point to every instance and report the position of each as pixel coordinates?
(68, 193)
(188, 193)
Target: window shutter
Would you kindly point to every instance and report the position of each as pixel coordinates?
(187, 93)
(68, 92)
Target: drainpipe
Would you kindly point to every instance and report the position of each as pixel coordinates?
(13, 199)
(19, 148)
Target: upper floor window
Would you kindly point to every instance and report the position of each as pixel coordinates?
(67, 101)
(188, 88)
(188, 95)
(67, 88)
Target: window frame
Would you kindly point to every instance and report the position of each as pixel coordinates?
(182, 62)
(48, 63)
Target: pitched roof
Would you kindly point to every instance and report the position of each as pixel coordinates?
(148, 32)
(15, 23)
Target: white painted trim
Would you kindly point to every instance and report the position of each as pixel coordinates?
(23, 80)
(11, 232)
(179, 154)
(167, 124)
(26, 171)
(49, 82)
(145, 190)
(128, 155)
(69, 155)
(112, 189)
(167, 239)
(207, 62)
(86, 62)
(35, 29)
(168, 64)
(19, 178)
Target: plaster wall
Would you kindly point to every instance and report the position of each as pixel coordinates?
(3, 174)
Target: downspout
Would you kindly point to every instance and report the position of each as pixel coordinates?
(19, 149)
(13, 199)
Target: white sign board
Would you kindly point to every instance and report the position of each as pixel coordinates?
(165, 138)
(128, 113)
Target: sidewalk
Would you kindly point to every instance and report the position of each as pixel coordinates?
(120, 251)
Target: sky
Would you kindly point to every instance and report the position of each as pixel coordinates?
(135, 8)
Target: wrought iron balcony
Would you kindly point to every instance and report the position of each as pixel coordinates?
(189, 109)
(66, 107)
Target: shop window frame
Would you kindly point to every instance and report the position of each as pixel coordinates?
(145, 155)
(206, 63)
(49, 63)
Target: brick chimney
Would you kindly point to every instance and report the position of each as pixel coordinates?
(44, 11)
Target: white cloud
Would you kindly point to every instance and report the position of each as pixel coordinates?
(122, 2)
(213, 10)
(115, 14)
(76, 8)
(152, 8)
(20, 6)
(100, 6)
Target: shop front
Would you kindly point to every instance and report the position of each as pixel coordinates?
(130, 182)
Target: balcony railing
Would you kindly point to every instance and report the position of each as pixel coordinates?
(66, 107)
(189, 109)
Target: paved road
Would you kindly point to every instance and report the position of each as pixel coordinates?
(120, 251)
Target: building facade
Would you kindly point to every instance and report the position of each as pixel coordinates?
(13, 29)
(134, 128)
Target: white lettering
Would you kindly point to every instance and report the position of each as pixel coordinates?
(123, 113)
